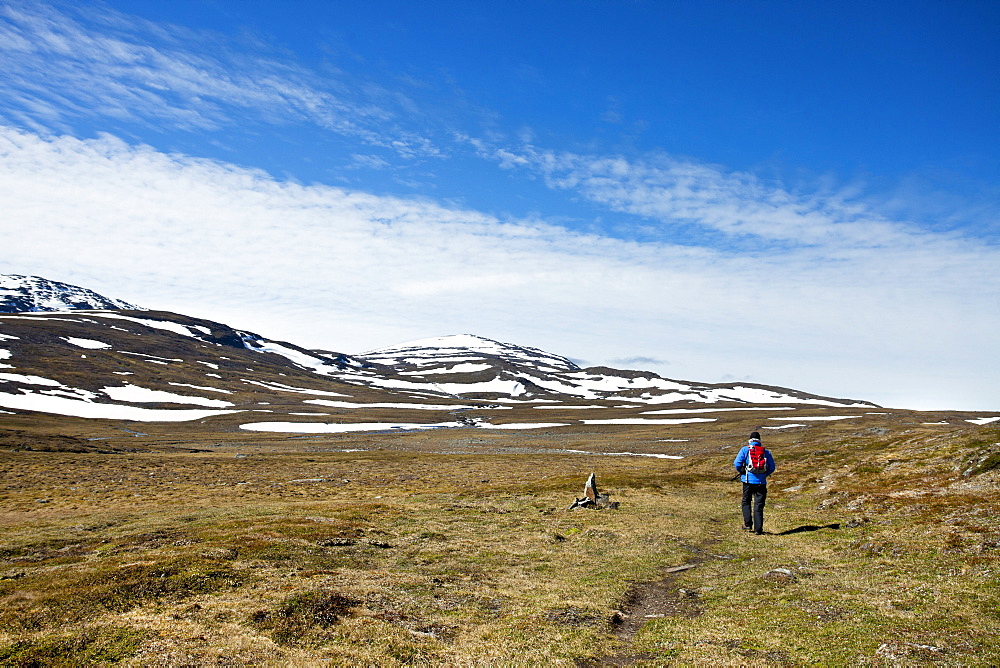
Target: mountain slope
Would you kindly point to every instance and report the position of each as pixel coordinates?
(473, 366)
(148, 365)
(31, 293)
(159, 366)
(434, 355)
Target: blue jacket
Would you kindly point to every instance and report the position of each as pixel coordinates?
(753, 478)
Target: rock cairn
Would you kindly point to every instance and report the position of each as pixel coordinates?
(593, 498)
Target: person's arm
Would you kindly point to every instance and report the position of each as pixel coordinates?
(740, 460)
(770, 462)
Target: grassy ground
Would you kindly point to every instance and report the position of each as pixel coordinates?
(880, 552)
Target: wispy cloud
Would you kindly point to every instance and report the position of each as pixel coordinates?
(765, 233)
(58, 67)
(674, 193)
(341, 269)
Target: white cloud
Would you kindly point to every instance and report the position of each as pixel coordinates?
(675, 193)
(58, 67)
(359, 161)
(898, 316)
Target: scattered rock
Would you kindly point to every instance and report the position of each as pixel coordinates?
(908, 650)
(835, 499)
(676, 569)
(983, 461)
(226, 553)
(336, 542)
(782, 575)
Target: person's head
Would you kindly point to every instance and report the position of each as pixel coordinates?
(755, 435)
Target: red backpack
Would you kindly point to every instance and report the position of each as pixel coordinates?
(756, 462)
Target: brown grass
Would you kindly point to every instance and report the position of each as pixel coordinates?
(296, 553)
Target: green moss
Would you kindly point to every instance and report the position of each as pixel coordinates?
(90, 646)
(74, 598)
(291, 621)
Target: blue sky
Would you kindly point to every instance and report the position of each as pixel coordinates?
(801, 194)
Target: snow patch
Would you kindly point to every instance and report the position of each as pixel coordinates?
(421, 407)
(566, 407)
(141, 395)
(165, 325)
(336, 428)
(983, 420)
(44, 403)
(89, 344)
(153, 358)
(824, 418)
(28, 380)
(523, 425)
(314, 364)
(647, 421)
(201, 387)
(280, 387)
(469, 367)
(620, 454)
(497, 385)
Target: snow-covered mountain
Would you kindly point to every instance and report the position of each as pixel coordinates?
(152, 365)
(450, 354)
(129, 366)
(31, 293)
(481, 368)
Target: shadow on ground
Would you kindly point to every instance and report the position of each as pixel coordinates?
(809, 527)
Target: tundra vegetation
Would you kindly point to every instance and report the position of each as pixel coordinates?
(194, 545)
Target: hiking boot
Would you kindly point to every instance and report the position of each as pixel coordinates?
(748, 528)
(758, 533)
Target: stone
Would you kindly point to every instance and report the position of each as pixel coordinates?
(677, 569)
(592, 498)
(590, 489)
(780, 575)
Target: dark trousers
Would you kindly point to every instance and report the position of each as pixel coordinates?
(757, 494)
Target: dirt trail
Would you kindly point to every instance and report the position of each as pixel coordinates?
(657, 599)
(654, 599)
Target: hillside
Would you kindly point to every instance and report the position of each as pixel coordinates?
(177, 491)
(185, 543)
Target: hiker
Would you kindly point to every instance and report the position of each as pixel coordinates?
(754, 464)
